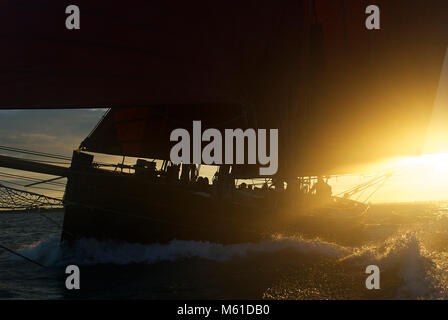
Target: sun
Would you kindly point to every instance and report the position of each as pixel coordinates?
(419, 178)
(437, 163)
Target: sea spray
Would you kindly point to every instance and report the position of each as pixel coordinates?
(92, 252)
(403, 259)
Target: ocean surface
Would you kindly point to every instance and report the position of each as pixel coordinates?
(408, 242)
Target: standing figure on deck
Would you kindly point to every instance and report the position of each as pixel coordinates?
(322, 191)
(189, 173)
(224, 181)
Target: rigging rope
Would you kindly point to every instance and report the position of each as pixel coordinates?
(35, 153)
(29, 179)
(22, 256)
(32, 187)
(377, 189)
(379, 181)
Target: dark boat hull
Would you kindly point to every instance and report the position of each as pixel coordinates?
(114, 206)
(129, 208)
(149, 207)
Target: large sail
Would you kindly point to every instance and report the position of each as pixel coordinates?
(148, 53)
(145, 132)
(340, 94)
(371, 93)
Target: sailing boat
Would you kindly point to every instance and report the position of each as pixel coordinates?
(339, 94)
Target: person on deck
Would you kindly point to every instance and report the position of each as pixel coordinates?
(322, 191)
(189, 173)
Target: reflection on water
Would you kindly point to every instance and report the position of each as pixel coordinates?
(408, 242)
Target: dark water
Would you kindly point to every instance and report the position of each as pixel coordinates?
(407, 242)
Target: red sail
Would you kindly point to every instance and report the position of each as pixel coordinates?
(370, 93)
(340, 94)
(145, 132)
(143, 53)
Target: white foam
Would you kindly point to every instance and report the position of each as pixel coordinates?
(416, 269)
(417, 272)
(91, 251)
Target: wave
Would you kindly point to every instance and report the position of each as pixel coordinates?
(91, 252)
(405, 261)
(406, 266)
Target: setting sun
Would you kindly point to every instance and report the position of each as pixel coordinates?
(438, 163)
(423, 178)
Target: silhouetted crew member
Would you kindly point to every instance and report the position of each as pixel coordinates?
(188, 173)
(173, 172)
(323, 190)
(225, 181)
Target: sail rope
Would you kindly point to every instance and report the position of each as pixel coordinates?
(11, 179)
(21, 256)
(35, 153)
(377, 189)
(379, 181)
(32, 187)
(29, 179)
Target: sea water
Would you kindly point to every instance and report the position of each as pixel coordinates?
(408, 242)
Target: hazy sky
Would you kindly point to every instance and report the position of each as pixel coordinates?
(51, 131)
